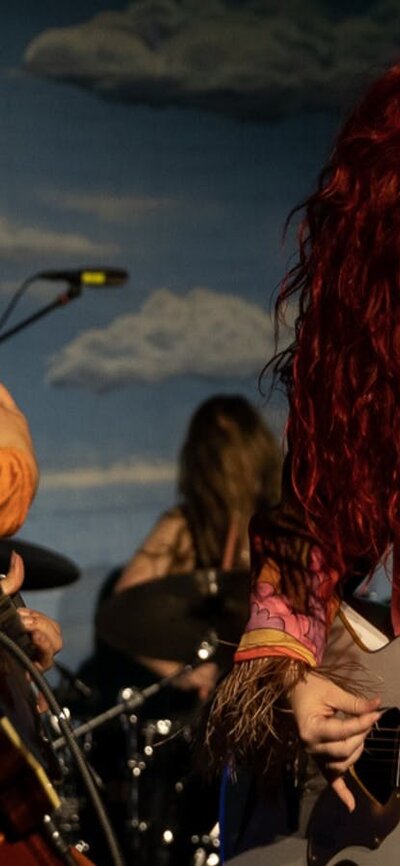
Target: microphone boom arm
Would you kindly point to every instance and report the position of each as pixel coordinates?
(64, 298)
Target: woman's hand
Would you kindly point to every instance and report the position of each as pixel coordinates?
(335, 741)
(44, 631)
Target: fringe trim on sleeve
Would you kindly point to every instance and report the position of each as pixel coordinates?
(249, 722)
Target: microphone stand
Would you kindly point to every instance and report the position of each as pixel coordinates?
(64, 298)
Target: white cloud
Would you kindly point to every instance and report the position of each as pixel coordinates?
(133, 471)
(17, 240)
(202, 333)
(256, 59)
(108, 207)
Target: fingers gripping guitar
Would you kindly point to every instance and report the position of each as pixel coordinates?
(336, 742)
(369, 835)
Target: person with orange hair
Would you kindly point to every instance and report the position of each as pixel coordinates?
(339, 517)
(19, 472)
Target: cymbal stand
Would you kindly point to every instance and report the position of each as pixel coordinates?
(151, 826)
(133, 698)
(66, 674)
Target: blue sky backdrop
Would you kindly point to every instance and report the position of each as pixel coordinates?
(171, 139)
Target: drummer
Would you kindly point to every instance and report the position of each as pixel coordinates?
(229, 467)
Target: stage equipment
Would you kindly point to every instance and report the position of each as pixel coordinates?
(44, 569)
(93, 278)
(169, 617)
(77, 279)
(151, 770)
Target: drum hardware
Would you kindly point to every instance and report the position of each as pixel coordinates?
(150, 830)
(167, 730)
(207, 852)
(133, 698)
(80, 687)
(152, 805)
(202, 858)
(150, 796)
(135, 764)
(73, 799)
(82, 847)
(176, 617)
(140, 763)
(168, 618)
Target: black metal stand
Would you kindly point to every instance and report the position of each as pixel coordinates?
(133, 698)
(61, 301)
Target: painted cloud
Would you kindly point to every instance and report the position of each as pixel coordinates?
(106, 206)
(18, 240)
(259, 59)
(131, 471)
(200, 334)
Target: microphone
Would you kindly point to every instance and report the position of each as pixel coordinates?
(93, 277)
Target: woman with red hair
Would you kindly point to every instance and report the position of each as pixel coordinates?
(340, 512)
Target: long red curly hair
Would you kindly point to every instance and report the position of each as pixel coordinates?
(342, 373)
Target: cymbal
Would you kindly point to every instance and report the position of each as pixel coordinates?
(168, 618)
(44, 569)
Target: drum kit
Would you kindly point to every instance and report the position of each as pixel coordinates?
(163, 811)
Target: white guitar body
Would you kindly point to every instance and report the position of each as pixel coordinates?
(369, 836)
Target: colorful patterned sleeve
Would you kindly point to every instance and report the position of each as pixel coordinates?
(292, 605)
(290, 621)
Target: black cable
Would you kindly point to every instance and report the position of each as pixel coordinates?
(15, 298)
(43, 686)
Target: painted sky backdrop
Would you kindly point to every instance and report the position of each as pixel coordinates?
(170, 139)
